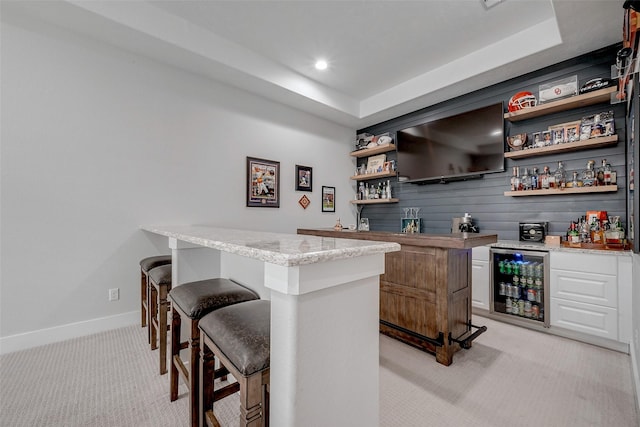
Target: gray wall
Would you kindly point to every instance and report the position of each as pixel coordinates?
(483, 198)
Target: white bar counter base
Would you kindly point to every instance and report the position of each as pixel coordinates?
(324, 296)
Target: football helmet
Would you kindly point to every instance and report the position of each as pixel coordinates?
(522, 100)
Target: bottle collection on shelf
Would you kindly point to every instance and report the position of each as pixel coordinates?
(596, 228)
(523, 289)
(535, 180)
(593, 126)
(369, 192)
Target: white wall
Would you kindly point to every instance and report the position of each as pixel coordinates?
(96, 141)
(635, 329)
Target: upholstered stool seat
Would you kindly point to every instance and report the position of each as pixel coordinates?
(191, 301)
(147, 264)
(159, 287)
(239, 335)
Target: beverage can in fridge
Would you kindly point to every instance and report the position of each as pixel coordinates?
(535, 311)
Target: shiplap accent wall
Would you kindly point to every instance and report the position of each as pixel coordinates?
(483, 198)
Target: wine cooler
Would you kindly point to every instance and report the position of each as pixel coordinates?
(520, 286)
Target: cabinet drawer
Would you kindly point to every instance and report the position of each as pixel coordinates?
(591, 288)
(586, 318)
(590, 263)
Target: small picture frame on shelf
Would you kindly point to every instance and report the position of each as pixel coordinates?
(328, 199)
(557, 135)
(375, 164)
(536, 140)
(364, 224)
(572, 132)
(546, 137)
(304, 178)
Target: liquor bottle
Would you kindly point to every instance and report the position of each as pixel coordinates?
(607, 174)
(614, 177)
(535, 179)
(596, 231)
(525, 180)
(559, 176)
(589, 175)
(544, 178)
(515, 179)
(575, 181)
(361, 191)
(585, 231)
(388, 189)
(574, 235)
(600, 173)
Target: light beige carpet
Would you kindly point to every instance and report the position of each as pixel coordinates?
(510, 377)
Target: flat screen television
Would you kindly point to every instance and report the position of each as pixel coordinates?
(458, 147)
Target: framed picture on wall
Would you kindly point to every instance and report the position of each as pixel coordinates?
(263, 183)
(328, 199)
(304, 178)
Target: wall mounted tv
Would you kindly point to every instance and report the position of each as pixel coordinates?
(458, 147)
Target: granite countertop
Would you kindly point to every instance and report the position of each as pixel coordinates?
(276, 248)
(516, 244)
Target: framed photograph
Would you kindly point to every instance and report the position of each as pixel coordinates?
(303, 178)
(328, 199)
(263, 183)
(572, 133)
(376, 163)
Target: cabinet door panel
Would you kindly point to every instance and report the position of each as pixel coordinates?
(480, 284)
(585, 287)
(591, 263)
(587, 318)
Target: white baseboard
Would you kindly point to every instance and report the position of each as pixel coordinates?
(64, 332)
(634, 371)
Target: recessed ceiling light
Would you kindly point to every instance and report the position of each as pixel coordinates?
(321, 64)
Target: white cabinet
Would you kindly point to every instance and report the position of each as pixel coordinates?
(586, 297)
(480, 278)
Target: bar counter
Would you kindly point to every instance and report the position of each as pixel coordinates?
(324, 310)
(425, 291)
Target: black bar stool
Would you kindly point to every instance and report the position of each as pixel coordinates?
(147, 264)
(191, 301)
(239, 336)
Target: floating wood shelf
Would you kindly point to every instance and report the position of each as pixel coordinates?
(374, 201)
(577, 190)
(602, 141)
(369, 176)
(591, 98)
(366, 152)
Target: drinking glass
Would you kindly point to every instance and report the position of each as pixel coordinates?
(406, 212)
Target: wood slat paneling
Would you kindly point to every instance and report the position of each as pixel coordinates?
(484, 198)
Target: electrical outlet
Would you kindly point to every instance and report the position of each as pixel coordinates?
(114, 294)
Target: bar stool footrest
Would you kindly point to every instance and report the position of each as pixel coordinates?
(211, 419)
(225, 391)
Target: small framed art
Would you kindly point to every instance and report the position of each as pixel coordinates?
(328, 199)
(304, 178)
(263, 183)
